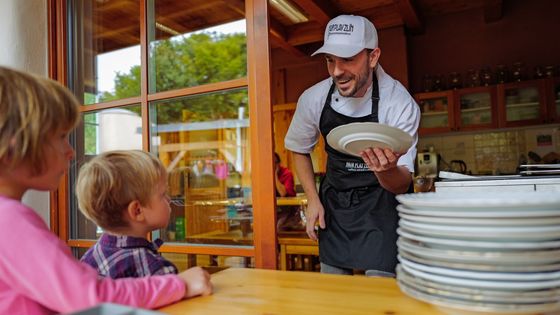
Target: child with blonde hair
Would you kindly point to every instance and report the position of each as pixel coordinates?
(38, 274)
(125, 193)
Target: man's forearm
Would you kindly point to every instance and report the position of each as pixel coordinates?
(305, 174)
(396, 180)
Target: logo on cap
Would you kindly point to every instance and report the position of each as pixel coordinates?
(341, 29)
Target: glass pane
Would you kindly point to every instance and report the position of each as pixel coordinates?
(212, 263)
(191, 45)
(557, 98)
(522, 104)
(434, 113)
(104, 58)
(476, 109)
(203, 141)
(94, 136)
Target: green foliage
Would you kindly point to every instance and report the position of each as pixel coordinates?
(191, 61)
(90, 138)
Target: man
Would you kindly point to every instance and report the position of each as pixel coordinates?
(355, 206)
(288, 217)
(284, 179)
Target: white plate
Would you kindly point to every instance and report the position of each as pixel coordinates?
(542, 221)
(473, 213)
(479, 266)
(484, 284)
(463, 307)
(445, 243)
(489, 233)
(482, 201)
(516, 258)
(482, 275)
(475, 294)
(355, 137)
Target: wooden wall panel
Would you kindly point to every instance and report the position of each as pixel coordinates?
(527, 32)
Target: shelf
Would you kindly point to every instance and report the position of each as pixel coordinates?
(435, 113)
(522, 104)
(225, 202)
(478, 109)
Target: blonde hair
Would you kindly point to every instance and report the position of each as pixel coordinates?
(32, 108)
(110, 181)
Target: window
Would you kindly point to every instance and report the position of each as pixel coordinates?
(171, 77)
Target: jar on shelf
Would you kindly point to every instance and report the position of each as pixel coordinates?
(427, 83)
(473, 78)
(486, 76)
(438, 82)
(538, 72)
(502, 74)
(455, 80)
(518, 72)
(549, 71)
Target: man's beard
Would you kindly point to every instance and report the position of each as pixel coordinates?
(362, 80)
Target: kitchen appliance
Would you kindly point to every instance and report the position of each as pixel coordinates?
(427, 164)
(458, 166)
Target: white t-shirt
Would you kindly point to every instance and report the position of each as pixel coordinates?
(396, 108)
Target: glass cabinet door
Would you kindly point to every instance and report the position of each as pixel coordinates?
(522, 103)
(556, 99)
(437, 112)
(476, 108)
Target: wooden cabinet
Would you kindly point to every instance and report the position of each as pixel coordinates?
(553, 100)
(457, 110)
(503, 105)
(522, 103)
(437, 112)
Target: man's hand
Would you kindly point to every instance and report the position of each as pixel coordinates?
(315, 211)
(380, 160)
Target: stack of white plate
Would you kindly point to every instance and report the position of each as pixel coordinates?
(481, 253)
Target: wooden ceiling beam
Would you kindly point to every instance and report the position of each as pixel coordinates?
(305, 33)
(409, 16)
(236, 5)
(493, 10)
(277, 37)
(277, 34)
(321, 11)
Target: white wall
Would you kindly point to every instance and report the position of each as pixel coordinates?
(24, 46)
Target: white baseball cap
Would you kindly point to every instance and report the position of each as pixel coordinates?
(347, 35)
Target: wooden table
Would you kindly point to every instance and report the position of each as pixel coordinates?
(273, 292)
(291, 201)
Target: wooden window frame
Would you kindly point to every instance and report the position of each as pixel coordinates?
(265, 246)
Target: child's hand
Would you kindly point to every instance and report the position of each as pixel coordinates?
(197, 282)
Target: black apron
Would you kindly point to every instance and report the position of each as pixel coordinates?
(361, 217)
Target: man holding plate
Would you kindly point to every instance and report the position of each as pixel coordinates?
(355, 206)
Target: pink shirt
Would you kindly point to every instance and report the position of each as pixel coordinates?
(39, 275)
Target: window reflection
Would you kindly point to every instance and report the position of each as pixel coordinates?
(97, 134)
(189, 47)
(203, 141)
(105, 49)
(211, 263)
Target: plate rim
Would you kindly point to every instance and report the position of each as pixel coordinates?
(400, 137)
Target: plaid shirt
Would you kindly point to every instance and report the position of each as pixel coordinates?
(127, 256)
